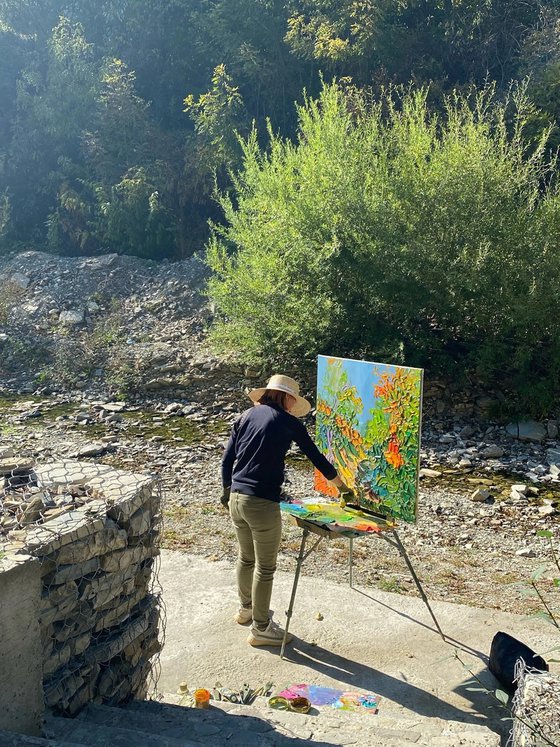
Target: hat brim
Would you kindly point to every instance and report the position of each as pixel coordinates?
(301, 408)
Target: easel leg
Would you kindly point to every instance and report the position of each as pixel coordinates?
(351, 563)
(404, 554)
(300, 559)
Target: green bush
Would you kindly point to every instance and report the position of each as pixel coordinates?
(388, 232)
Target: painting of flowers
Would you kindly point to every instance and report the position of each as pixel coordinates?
(368, 425)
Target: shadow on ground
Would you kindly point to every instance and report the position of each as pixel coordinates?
(359, 675)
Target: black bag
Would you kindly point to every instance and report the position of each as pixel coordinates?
(504, 655)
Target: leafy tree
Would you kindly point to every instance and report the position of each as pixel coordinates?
(93, 90)
(54, 103)
(396, 233)
(136, 221)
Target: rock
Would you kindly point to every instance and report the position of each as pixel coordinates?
(114, 417)
(493, 451)
(467, 432)
(155, 384)
(547, 510)
(3, 338)
(515, 496)
(527, 430)
(101, 263)
(90, 450)
(173, 407)
(554, 470)
(447, 438)
(20, 280)
(552, 429)
(10, 465)
(114, 406)
(33, 511)
(480, 495)
(72, 317)
(519, 488)
(526, 552)
(485, 404)
(432, 473)
(553, 456)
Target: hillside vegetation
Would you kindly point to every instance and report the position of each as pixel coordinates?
(370, 177)
(118, 115)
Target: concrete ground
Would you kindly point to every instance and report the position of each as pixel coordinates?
(367, 640)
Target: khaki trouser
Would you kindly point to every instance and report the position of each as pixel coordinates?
(258, 526)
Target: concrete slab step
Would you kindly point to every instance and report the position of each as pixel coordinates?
(212, 726)
(10, 739)
(99, 735)
(341, 727)
(168, 724)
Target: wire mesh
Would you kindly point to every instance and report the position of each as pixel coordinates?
(95, 531)
(536, 708)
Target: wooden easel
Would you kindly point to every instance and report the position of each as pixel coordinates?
(388, 533)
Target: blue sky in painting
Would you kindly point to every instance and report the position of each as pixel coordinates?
(364, 375)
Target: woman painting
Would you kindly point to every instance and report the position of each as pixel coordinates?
(252, 477)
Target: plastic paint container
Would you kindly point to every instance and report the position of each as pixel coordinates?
(279, 703)
(201, 698)
(300, 705)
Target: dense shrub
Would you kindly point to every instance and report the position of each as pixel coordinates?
(391, 233)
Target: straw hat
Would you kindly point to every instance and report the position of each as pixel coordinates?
(284, 384)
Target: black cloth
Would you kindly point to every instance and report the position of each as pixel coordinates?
(505, 652)
(253, 461)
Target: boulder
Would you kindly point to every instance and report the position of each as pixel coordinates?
(553, 456)
(480, 495)
(20, 280)
(493, 451)
(72, 317)
(527, 430)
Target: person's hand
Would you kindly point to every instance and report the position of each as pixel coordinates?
(345, 494)
(224, 500)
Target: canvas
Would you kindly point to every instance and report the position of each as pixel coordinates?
(368, 425)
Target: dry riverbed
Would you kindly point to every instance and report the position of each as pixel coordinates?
(478, 553)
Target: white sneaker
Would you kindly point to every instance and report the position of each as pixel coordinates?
(272, 636)
(243, 615)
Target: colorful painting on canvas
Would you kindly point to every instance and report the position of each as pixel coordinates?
(368, 425)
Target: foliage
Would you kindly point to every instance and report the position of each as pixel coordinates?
(549, 611)
(395, 232)
(93, 92)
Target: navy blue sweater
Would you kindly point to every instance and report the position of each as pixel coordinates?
(253, 461)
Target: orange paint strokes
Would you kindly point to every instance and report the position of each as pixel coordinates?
(324, 486)
(393, 455)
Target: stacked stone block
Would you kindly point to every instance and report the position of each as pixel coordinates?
(99, 614)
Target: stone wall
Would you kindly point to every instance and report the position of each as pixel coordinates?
(96, 540)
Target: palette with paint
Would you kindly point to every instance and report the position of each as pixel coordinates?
(344, 521)
(330, 696)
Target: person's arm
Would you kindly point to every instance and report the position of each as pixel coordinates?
(308, 447)
(306, 444)
(228, 460)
